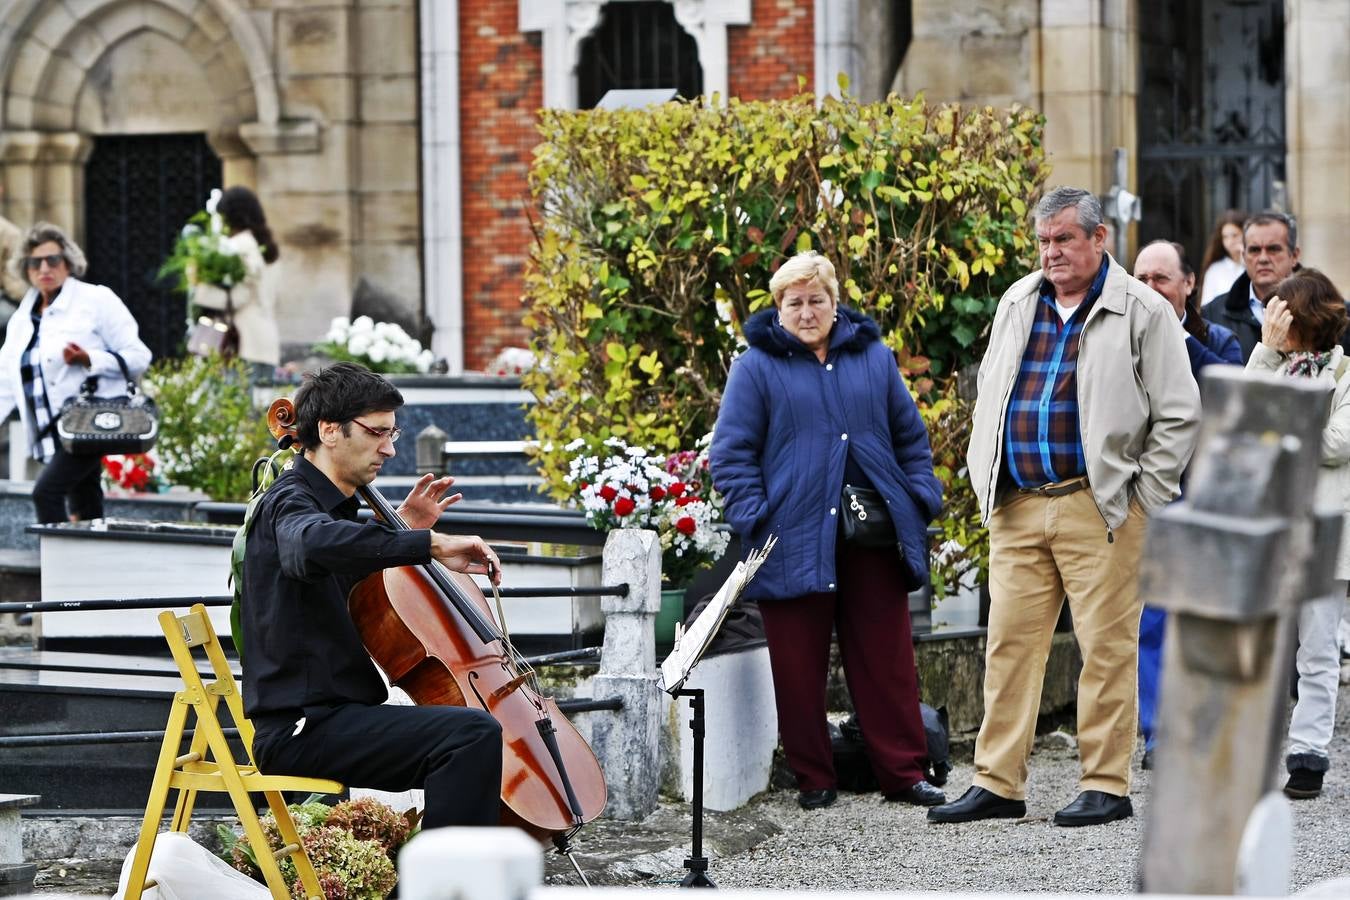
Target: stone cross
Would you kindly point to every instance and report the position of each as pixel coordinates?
(1231, 564)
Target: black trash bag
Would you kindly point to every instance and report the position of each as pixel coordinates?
(939, 755)
(853, 768)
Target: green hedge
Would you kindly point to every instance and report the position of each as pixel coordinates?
(659, 230)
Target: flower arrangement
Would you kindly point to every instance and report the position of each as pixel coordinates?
(133, 472)
(379, 346)
(201, 255)
(352, 847)
(619, 486)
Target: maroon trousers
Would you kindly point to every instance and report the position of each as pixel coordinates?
(870, 612)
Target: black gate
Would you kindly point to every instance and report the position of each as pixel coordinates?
(1211, 114)
(638, 45)
(139, 191)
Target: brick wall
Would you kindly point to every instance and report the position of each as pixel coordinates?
(766, 56)
(500, 82)
(500, 88)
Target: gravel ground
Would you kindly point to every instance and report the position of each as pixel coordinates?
(864, 843)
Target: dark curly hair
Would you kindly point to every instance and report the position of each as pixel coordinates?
(1317, 308)
(340, 393)
(240, 209)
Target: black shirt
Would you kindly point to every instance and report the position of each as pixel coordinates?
(304, 553)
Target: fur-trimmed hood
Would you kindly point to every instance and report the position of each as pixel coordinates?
(852, 332)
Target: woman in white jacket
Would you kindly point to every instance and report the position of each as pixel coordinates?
(1300, 338)
(252, 303)
(64, 332)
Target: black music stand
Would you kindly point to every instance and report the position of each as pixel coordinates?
(697, 863)
(689, 647)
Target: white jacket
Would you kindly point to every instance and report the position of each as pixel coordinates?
(254, 303)
(87, 314)
(1333, 478)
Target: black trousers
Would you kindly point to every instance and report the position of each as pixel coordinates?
(69, 478)
(452, 752)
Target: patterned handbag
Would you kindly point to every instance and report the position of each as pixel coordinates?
(89, 425)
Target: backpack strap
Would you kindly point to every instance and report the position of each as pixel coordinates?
(265, 471)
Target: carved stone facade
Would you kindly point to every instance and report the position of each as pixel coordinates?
(314, 106)
(390, 140)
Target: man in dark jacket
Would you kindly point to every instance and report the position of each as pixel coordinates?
(1270, 253)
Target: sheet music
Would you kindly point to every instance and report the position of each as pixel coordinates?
(691, 644)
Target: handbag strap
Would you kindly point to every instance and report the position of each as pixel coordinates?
(91, 383)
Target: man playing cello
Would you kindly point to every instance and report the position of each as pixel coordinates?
(312, 692)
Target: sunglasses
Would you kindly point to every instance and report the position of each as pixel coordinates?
(381, 433)
(53, 260)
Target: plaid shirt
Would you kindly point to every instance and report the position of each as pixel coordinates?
(35, 395)
(1041, 440)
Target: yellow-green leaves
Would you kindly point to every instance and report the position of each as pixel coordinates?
(658, 230)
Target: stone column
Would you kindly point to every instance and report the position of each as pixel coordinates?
(1317, 117)
(1085, 74)
(18, 155)
(627, 742)
(62, 156)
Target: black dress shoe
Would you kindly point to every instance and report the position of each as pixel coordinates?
(976, 804)
(816, 799)
(920, 793)
(1094, 808)
(1303, 784)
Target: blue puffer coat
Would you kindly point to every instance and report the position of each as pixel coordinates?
(783, 433)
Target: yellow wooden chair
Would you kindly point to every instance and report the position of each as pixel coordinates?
(209, 764)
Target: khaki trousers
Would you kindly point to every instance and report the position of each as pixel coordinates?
(1040, 549)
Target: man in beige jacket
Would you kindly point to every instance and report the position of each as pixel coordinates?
(1086, 416)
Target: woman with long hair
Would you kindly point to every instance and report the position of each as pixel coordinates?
(251, 304)
(1222, 262)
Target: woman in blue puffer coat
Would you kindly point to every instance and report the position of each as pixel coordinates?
(817, 403)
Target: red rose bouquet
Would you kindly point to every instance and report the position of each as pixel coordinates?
(619, 486)
(135, 472)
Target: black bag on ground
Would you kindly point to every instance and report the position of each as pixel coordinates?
(89, 425)
(853, 769)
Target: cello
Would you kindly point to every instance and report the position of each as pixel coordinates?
(433, 634)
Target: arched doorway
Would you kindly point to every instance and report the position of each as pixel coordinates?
(139, 190)
(637, 45)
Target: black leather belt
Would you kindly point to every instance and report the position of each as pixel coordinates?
(1058, 488)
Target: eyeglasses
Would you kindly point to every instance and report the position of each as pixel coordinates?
(381, 433)
(53, 260)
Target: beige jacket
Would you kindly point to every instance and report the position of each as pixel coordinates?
(1138, 405)
(1333, 478)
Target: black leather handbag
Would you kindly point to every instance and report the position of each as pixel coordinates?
(89, 425)
(866, 521)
